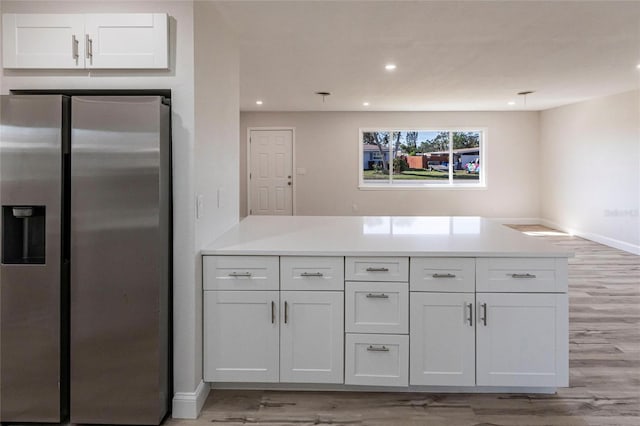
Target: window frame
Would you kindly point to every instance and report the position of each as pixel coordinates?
(481, 184)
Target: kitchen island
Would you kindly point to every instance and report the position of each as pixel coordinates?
(384, 303)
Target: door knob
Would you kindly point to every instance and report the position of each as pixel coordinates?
(289, 183)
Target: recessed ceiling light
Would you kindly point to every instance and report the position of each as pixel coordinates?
(390, 67)
(258, 102)
(638, 66)
(511, 103)
(365, 104)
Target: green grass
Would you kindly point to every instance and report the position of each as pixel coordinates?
(419, 174)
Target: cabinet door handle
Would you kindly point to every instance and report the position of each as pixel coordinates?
(286, 312)
(377, 296)
(311, 274)
(74, 47)
(273, 312)
(483, 314)
(372, 348)
(89, 46)
(444, 275)
(470, 306)
(377, 269)
(240, 274)
(522, 276)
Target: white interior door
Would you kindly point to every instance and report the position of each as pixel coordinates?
(271, 172)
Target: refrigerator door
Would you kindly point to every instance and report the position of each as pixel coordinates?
(119, 264)
(31, 139)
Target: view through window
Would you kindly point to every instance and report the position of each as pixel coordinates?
(421, 158)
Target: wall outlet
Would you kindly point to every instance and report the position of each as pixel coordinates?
(354, 207)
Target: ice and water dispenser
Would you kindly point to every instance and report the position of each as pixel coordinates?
(23, 234)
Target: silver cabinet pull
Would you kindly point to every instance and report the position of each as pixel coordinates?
(522, 276)
(240, 274)
(273, 312)
(483, 315)
(372, 348)
(286, 312)
(74, 47)
(444, 275)
(311, 274)
(89, 46)
(377, 296)
(470, 306)
(377, 269)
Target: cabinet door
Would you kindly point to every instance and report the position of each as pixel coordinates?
(42, 41)
(127, 40)
(442, 339)
(241, 336)
(312, 337)
(522, 339)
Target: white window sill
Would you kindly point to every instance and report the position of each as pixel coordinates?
(395, 186)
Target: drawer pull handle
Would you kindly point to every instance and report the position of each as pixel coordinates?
(286, 312)
(522, 276)
(372, 348)
(444, 275)
(311, 274)
(273, 312)
(483, 315)
(240, 274)
(377, 269)
(377, 296)
(74, 47)
(470, 306)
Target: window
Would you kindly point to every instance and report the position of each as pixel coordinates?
(422, 158)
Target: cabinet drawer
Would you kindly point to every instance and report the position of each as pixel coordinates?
(376, 307)
(444, 275)
(521, 275)
(377, 269)
(311, 273)
(377, 360)
(240, 272)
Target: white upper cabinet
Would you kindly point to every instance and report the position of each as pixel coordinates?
(43, 41)
(126, 40)
(68, 41)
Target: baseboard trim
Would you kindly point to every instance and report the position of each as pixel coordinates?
(601, 239)
(187, 405)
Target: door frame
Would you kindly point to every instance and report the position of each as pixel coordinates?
(293, 165)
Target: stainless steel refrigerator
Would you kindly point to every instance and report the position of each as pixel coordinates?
(85, 259)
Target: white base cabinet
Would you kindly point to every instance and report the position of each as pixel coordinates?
(311, 337)
(285, 319)
(241, 336)
(443, 343)
(522, 340)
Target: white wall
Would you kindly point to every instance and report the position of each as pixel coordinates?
(327, 146)
(590, 164)
(204, 127)
(217, 122)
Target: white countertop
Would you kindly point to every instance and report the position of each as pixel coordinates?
(378, 236)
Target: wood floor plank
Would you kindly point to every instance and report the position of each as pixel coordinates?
(604, 329)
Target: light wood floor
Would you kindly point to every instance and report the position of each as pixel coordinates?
(604, 300)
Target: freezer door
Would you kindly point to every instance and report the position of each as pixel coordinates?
(119, 264)
(31, 137)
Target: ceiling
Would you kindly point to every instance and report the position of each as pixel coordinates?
(450, 55)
